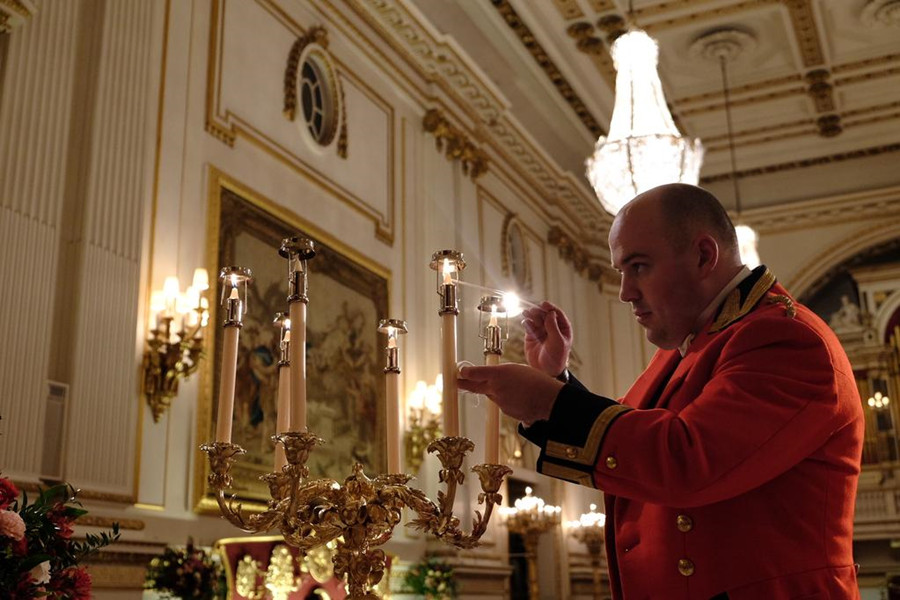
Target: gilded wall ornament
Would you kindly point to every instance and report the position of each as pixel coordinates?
(311, 84)
(455, 144)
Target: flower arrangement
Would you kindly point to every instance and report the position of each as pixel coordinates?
(187, 573)
(38, 557)
(432, 578)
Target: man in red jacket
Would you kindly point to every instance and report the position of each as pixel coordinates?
(730, 466)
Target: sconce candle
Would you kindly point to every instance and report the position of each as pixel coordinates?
(493, 334)
(234, 282)
(298, 251)
(283, 416)
(393, 328)
(447, 264)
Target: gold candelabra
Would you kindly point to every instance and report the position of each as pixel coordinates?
(360, 514)
(174, 355)
(530, 517)
(588, 530)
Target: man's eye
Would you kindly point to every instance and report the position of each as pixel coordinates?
(638, 267)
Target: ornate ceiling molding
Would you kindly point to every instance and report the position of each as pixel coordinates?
(581, 260)
(881, 13)
(805, 32)
(844, 208)
(802, 164)
(549, 67)
(455, 144)
(568, 9)
(14, 13)
(524, 164)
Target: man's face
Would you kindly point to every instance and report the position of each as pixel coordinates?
(660, 283)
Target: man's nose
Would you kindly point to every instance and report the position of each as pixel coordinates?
(627, 291)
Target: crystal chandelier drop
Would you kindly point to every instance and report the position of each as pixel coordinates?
(644, 148)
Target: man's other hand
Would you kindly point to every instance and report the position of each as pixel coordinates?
(548, 338)
(520, 391)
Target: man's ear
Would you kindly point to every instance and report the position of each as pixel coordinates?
(707, 254)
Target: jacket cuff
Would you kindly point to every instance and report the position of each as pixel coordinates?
(573, 434)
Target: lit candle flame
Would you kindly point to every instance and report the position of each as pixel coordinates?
(448, 268)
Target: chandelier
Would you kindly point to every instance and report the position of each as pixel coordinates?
(644, 148)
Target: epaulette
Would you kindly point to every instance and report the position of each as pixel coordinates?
(744, 298)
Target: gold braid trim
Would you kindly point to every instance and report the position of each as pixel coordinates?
(789, 309)
(733, 309)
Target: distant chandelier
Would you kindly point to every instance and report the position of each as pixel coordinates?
(644, 148)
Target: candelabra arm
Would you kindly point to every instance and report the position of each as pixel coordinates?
(439, 519)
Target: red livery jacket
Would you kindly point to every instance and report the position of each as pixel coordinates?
(730, 472)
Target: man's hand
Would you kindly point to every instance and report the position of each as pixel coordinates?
(521, 392)
(548, 338)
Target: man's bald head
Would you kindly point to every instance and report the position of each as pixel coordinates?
(687, 210)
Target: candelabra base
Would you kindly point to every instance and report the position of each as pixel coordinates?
(359, 514)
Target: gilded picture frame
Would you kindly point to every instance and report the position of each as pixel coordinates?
(345, 389)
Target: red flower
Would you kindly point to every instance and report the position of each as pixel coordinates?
(25, 589)
(20, 547)
(8, 493)
(62, 523)
(73, 583)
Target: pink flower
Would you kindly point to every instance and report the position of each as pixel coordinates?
(12, 525)
(8, 493)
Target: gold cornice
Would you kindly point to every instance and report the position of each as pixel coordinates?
(865, 63)
(641, 15)
(738, 90)
(526, 167)
(575, 254)
(83, 494)
(709, 140)
(569, 9)
(549, 67)
(868, 76)
(600, 6)
(844, 208)
(14, 13)
(767, 97)
(805, 32)
(455, 144)
(808, 162)
(593, 46)
(91, 520)
(810, 130)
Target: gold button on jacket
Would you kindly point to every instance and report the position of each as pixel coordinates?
(684, 523)
(685, 567)
(611, 462)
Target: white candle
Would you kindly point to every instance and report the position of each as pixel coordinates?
(392, 398)
(298, 366)
(283, 418)
(226, 384)
(492, 433)
(450, 394)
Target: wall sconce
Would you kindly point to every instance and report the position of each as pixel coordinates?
(588, 530)
(422, 424)
(173, 354)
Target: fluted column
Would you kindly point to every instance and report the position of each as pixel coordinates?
(108, 245)
(35, 118)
